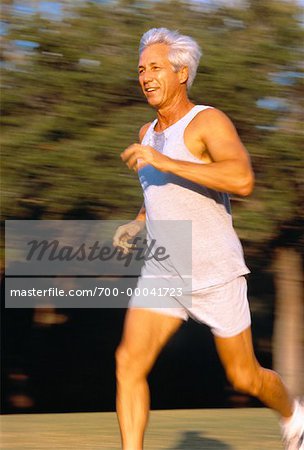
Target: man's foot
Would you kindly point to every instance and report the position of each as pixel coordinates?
(294, 443)
(293, 430)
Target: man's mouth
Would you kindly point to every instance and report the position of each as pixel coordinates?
(151, 89)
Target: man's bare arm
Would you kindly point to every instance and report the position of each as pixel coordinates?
(143, 131)
(125, 233)
(230, 169)
(142, 212)
(141, 216)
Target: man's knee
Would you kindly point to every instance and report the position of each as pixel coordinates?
(246, 380)
(123, 362)
(128, 364)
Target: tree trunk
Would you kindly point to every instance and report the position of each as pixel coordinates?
(288, 338)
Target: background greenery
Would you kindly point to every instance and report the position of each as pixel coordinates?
(71, 104)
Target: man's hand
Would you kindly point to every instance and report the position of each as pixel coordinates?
(137, 156)
(126, 233)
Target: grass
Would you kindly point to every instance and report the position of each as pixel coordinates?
(214, 429)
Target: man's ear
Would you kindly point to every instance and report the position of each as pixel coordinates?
(183, 75)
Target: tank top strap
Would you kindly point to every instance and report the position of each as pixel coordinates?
(179, 126)
(147, 137)
(184, 122)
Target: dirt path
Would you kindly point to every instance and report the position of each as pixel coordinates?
(216, 429)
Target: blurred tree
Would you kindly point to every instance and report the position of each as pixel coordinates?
(71, 104)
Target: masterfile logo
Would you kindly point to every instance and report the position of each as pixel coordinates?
(142, 250)
(75, 264)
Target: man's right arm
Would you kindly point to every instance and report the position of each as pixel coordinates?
(126, 232)
(142, 213)
(143, 130)
(141, 216)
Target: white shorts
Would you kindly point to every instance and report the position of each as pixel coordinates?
(224, 308)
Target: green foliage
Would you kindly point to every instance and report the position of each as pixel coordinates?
(72, 104)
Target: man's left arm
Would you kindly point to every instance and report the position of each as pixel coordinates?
(229, 170)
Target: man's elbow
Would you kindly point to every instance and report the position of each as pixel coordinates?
(245, 188)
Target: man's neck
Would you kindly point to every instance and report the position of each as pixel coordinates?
(169, 115)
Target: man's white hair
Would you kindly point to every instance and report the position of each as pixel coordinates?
(183, 50)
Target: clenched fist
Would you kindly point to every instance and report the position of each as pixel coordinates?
(137, 156)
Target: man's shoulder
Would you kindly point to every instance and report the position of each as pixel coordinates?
(143, 130)
(210, 114)
(210, 119)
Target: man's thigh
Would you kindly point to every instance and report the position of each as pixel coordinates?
(145, 333)
(237, 352)
(224, 308)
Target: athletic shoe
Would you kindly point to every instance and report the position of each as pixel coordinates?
(294, 443)
(294, 439)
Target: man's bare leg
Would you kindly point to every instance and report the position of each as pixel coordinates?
(246, 375)
(145, 334)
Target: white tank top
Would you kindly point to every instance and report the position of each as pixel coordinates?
(217, 255)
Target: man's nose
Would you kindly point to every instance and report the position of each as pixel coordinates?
(147, 76)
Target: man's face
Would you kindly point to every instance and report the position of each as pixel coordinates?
(157, 78)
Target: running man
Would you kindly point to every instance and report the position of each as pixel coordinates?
(189, 158)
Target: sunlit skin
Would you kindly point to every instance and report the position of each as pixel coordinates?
(212, 138)
(211, 135)
(163, 87)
